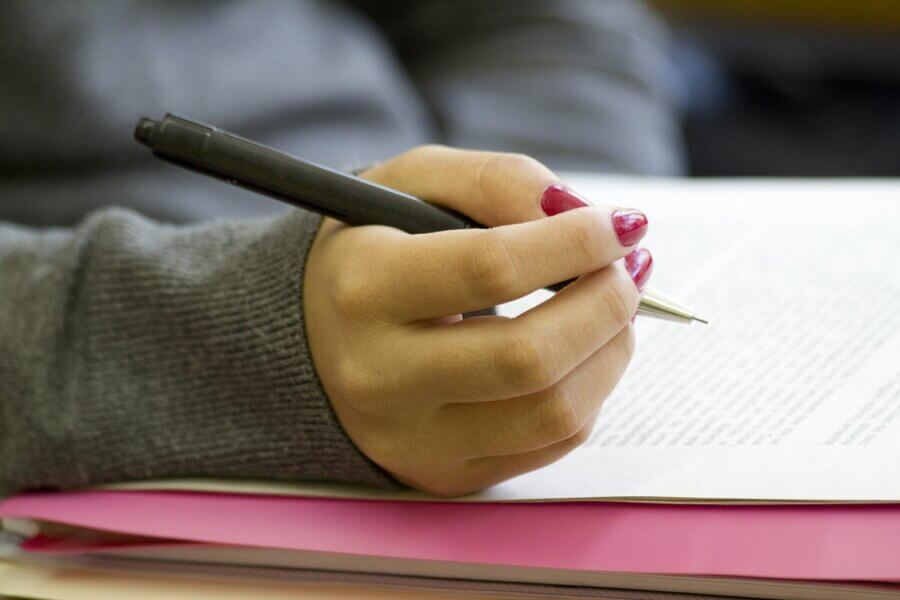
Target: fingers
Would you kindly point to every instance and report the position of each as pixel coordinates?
(462, 271)
(491, 188)
(521, 425)
(485, 472)
(497, 358)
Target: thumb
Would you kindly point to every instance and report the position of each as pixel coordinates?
(489, 187)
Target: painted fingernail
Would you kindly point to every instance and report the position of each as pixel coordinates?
(557, 199)
(630, 225)
(639, 265)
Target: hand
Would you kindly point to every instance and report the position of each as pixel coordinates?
(448, 405)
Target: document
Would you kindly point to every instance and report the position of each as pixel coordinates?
(85, 580)
(790, 394)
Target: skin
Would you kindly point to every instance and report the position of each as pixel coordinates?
(451, 406)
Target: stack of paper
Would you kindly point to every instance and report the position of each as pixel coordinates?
(791, 396)
(775, 551)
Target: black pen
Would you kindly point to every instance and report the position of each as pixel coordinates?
(353, 200)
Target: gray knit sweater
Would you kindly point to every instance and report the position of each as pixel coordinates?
(167, 338)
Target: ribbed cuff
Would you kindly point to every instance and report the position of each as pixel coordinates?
(194, 360)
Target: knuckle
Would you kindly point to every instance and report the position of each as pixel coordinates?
(581, 436)
(624, 344)
(396, 170)
(524, 364)
(586, 237)
(617, 301)
(560, 419)
(424, 151)
(491, 269)
(519, 162)
(496, 170)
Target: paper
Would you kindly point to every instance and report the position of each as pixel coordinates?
(61, 582)
(829, 543)
(793, 390)
(792, 393)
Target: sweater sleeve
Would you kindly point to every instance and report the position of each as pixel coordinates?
(133, 350)
(578, 84)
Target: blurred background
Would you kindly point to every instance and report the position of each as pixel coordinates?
(789, 87)
(660, 87)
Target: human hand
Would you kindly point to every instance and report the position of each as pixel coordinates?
(449, 405)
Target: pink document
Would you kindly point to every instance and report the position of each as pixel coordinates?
(849, 542)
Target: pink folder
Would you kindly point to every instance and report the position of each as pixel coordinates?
(847, 542)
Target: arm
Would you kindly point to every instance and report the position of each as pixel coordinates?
(580, 84)
(132, 350)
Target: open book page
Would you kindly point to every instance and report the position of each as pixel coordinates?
(791, 393)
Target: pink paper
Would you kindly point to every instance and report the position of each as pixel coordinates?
(854, 542)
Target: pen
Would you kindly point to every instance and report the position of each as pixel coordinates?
(353, 200)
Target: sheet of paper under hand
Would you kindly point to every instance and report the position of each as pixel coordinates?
(791, 393)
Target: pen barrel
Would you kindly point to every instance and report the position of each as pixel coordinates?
(298, 182)
(212, 151)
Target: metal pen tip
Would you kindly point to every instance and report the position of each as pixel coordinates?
(704, 321)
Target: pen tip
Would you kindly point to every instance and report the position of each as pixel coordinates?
(704, 321)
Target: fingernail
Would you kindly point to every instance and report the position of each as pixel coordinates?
(639, 265)
(557, 199)
(630, 225)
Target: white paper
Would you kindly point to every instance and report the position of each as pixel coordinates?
(793, 390)
(791, 393)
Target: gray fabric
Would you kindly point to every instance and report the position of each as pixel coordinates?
(579, 84)
(132, 348)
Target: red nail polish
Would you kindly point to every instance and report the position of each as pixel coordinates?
(639, 265)
(630, 225)
(557, 199)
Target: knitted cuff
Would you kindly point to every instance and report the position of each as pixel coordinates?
(194, 361)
